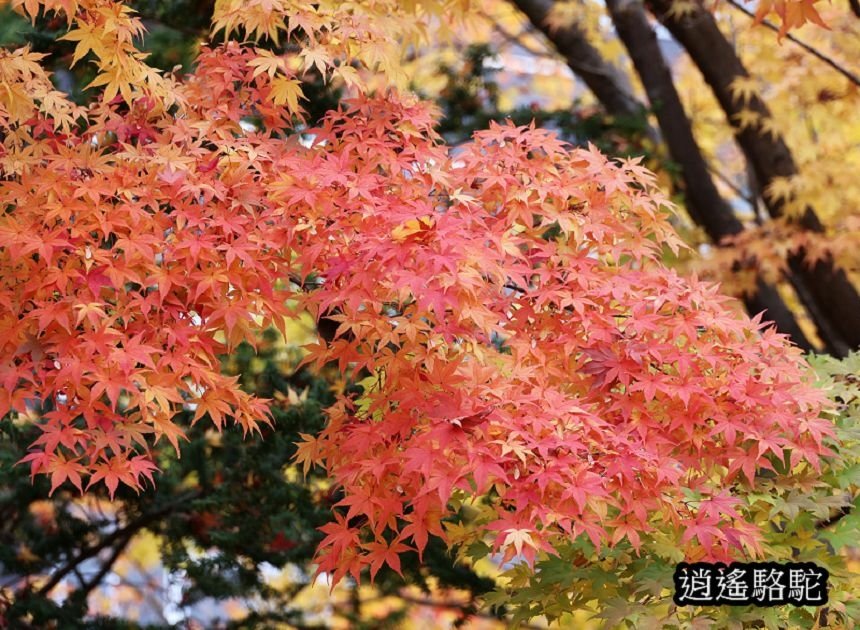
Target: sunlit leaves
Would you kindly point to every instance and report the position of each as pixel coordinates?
(108, 30)
(591, 419)
(503, 312)
(792, 13)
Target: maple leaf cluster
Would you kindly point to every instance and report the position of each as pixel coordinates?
(791, 13)
(526, 344)
(523, 341)
(762, 251)
(134, 253)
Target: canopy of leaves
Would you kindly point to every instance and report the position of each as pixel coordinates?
(518, 339)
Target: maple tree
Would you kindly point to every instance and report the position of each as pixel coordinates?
(518, 341)
(558, 374)
(804, 515)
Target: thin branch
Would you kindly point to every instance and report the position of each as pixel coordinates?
(812, 51)
(85, 554)
(109, 540)
(516, 39)
(86, 588)
(728, 182)
(755, 193)
(514, 287)
(731, 185)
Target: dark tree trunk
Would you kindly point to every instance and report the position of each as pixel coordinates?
(705, 204)
(607, 82)
(707, 207)
(825, 289)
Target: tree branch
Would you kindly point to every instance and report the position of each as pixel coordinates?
(109, 540)
(86, 588)
(731, 185)
(607, 82)
(514, 38)
(812, 51)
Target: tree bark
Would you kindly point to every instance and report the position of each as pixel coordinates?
(706, 206)
(827, 292)
(607, 82)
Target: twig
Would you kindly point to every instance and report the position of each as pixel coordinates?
(734, 187)
(109, 540)
(812, 51)
(86, 588)
(515, 39)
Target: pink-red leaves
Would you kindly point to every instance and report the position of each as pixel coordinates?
(526, 344)
(573, 378)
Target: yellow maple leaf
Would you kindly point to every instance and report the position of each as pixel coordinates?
(780, 188)
(746, 118)
(768, 126)
(287, 91)
(681, 9)
(563, 15)
(412, 227)
(316, 56)
(266, 62)
(743, 89)
(348, 75)
(87, 40)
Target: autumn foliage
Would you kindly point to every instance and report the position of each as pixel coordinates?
(525, 343)
(504, 307)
